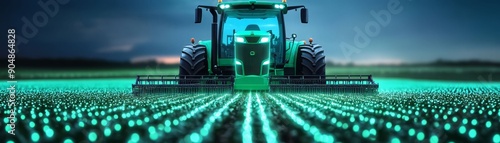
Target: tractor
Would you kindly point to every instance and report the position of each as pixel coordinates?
(249, 51)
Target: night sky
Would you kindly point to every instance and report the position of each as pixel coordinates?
(126, 30)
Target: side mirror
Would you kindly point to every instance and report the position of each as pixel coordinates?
(197, 15)
(294, 36)
(303, 15)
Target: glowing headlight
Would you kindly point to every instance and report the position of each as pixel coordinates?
(223, 6)
(280, 6)
(264, 40)
(266, 62)
(238, 63)
(240, 39)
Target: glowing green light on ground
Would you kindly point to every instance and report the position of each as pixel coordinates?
(94, 122)
(45, 120)
(472, 133)
(496, 138)
(7, 128)
(464, 121)
(176, 122)
(488, 124)
(48, 131)
(139, 122)
(447, 126)
(397, 128)
(92, 136)
(153, 136)
(107, 132)
(131, 123)
(334, 120)
(118, 127)
(474, 122)
(195, 137)
(32, 124)
(462, 129)
(35, 137)
(434, 139)
(395, 140)
(424, 122)
(373, 132)
(420, 136)
(355, 128)
(81, 124)
(68, 141)
(152, 133)
(388, 125)
(266, 128)
(104, 122)
(216, 115)
(247, 128)
(135, 137)
(167, 123)
(366, 133)
(10, 141)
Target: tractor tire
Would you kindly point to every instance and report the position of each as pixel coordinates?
(193, 63)
(311, 63)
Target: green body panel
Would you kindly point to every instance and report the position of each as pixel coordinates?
(208, 44)
(252, 55)
(251, 82)
(226, 61)
(291, 54)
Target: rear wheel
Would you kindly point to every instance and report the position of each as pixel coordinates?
(193, 64)
(311, 62)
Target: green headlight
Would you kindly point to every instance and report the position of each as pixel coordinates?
(240, 40)
(264, 40)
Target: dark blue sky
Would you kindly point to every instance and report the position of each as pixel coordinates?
(423, 30)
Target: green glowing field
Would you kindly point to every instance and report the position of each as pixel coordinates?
(102, 110)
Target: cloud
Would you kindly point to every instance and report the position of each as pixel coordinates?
(119, 48)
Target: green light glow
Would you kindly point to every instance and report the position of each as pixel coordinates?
(68, 141)
(247, 127)
(462, 129)
(35, 137)
(395, 140)
(434, 139)
(420, 136)
(266, 127)
(48, 131)
(118, 127)
(92, 136)
(472, 133)
(496, 138)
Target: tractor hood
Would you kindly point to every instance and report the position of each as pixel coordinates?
(252, 53)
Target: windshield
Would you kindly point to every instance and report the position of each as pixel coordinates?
(233, 24)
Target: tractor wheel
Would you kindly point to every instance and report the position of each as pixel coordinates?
(193, 63)
(311, 62)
